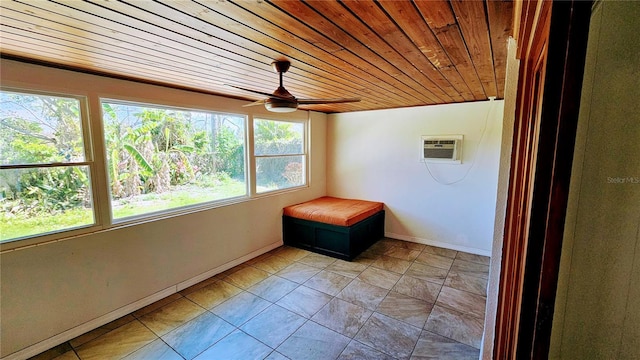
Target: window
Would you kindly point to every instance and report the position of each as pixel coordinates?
(45, 171)
(156, 160)
(166, 158)
(280, 154)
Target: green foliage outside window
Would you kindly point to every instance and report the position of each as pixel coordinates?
(37, 132)
(279, 147)
(156, 155)
(157, 159)
(41, 130)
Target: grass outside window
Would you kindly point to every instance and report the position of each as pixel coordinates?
(45, 169)
(157, 160)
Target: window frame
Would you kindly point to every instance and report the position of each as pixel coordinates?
(182, 210)
(305, 155)
(89, 162)
(96, 157)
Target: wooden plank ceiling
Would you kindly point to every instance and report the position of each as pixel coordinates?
(390, 54)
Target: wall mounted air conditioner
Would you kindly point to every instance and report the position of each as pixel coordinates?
(442, 148)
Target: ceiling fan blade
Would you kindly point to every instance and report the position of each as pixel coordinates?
(274, 95)
(249, 90)
(259, 102)
(327, 101)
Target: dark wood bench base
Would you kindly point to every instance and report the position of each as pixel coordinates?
(342, 242)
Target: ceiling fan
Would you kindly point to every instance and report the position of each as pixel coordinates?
(281, 100)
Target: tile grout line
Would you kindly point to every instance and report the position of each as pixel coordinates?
(295, 259)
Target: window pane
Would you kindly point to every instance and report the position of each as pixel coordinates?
(279, 172)
(162, 158)
(37, 129)
(278, 137)
(38, 201)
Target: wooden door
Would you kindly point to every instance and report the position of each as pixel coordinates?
(522, 177)
(552, 43)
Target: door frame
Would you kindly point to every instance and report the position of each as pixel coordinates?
(552, 37)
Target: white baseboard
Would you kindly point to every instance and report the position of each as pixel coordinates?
(74, 332)
(439, 244)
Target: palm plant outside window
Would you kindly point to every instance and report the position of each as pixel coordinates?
(166, 158)
(157, 161)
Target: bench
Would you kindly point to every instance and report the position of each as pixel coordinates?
(341, 228)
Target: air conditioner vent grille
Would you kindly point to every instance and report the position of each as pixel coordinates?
(442, 148)
(438, 153)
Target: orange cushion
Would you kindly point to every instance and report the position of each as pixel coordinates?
(335, 211)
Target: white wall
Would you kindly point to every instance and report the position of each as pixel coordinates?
(597, 313)
(375, 155)
(58, 290)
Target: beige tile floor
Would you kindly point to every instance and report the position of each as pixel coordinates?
(398, 300)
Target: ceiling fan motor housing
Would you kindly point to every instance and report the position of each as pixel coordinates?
(283, 94)
(281, 100)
